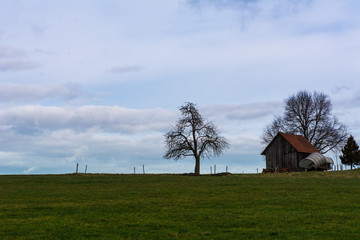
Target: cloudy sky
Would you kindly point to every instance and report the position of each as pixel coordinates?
(99, 82)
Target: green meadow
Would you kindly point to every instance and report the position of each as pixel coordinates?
(316, 205)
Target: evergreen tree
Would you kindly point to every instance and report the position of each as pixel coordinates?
(350, 153)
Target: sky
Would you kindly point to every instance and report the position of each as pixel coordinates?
(99, 83)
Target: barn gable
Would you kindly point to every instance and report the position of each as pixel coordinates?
(286, 151)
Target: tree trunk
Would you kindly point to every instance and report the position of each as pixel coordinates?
(197, 166)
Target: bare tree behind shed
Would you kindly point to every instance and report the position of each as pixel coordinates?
(192, 136)
(309, 114)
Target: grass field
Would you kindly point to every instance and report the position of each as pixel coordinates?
(263, 206)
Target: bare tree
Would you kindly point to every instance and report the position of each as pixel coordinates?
(192, 136)
(309, 115)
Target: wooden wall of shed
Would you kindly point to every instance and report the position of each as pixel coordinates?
(275, 152)
(282, 155)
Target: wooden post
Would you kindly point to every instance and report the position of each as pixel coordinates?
(86, 169)
(257, 170)
(143, 169)
(77, 167)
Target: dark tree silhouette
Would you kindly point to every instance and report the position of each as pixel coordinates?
(192, 136)
(309, 115)
(350, 153)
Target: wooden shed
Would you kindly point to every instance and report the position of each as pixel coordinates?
(286, 151)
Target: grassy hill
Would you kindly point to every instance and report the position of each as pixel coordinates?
(263, 206)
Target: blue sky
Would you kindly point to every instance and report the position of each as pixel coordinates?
(99, 82)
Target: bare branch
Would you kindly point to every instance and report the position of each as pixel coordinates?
(309, 114)
(193, 136)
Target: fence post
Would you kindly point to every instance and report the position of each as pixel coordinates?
(77, 167)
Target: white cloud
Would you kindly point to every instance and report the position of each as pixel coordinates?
(15, 60)
(29, 92)
(244, 112)
(31, 118)
(10, 53)
(126, 69)
(62, 149)
(17, 65)
(10, 158)
(250, 9)
(29, 170)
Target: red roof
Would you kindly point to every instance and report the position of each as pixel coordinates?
(300, 143)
